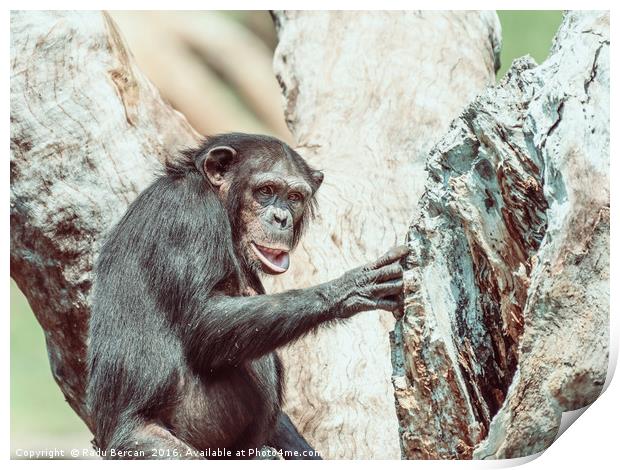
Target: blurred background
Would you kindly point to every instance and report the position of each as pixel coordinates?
(214, 67)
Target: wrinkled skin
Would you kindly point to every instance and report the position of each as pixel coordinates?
(181, 356)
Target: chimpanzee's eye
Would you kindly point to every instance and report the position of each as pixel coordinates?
(266, 190)
(295, 197)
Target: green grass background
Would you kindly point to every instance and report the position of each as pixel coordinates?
(527, 32)
(40, 416)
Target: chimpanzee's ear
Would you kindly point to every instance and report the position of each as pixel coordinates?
(317, 178)
(217, 162)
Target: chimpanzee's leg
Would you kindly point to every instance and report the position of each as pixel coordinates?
(286, 437)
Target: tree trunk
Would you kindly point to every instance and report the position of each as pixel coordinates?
(366, 96)
(506, 313)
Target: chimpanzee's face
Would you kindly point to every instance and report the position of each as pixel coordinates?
(273, 206)
(268, 195)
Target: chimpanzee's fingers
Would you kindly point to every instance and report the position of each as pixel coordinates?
(394, 287)
(386, 273)
(394, 254)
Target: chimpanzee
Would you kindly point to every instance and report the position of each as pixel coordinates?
(182, 337)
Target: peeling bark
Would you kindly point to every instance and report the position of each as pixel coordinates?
(506, 315)
(366, 95)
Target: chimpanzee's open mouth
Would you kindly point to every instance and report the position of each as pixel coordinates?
(276, 261)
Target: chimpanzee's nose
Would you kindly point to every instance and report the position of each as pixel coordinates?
(280, 218)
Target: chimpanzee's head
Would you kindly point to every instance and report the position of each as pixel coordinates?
(268, 191)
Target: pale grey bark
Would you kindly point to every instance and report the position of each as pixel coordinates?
(367, 93)
(506, 318)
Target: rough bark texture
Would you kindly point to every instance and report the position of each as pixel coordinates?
(506, 315)
(366, 96)
(87, 129)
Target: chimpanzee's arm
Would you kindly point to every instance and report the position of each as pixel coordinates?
(286, 438)
(230, 330)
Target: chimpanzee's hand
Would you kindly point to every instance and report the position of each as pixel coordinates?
(377, 285)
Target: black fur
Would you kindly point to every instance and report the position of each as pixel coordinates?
(180, 359)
